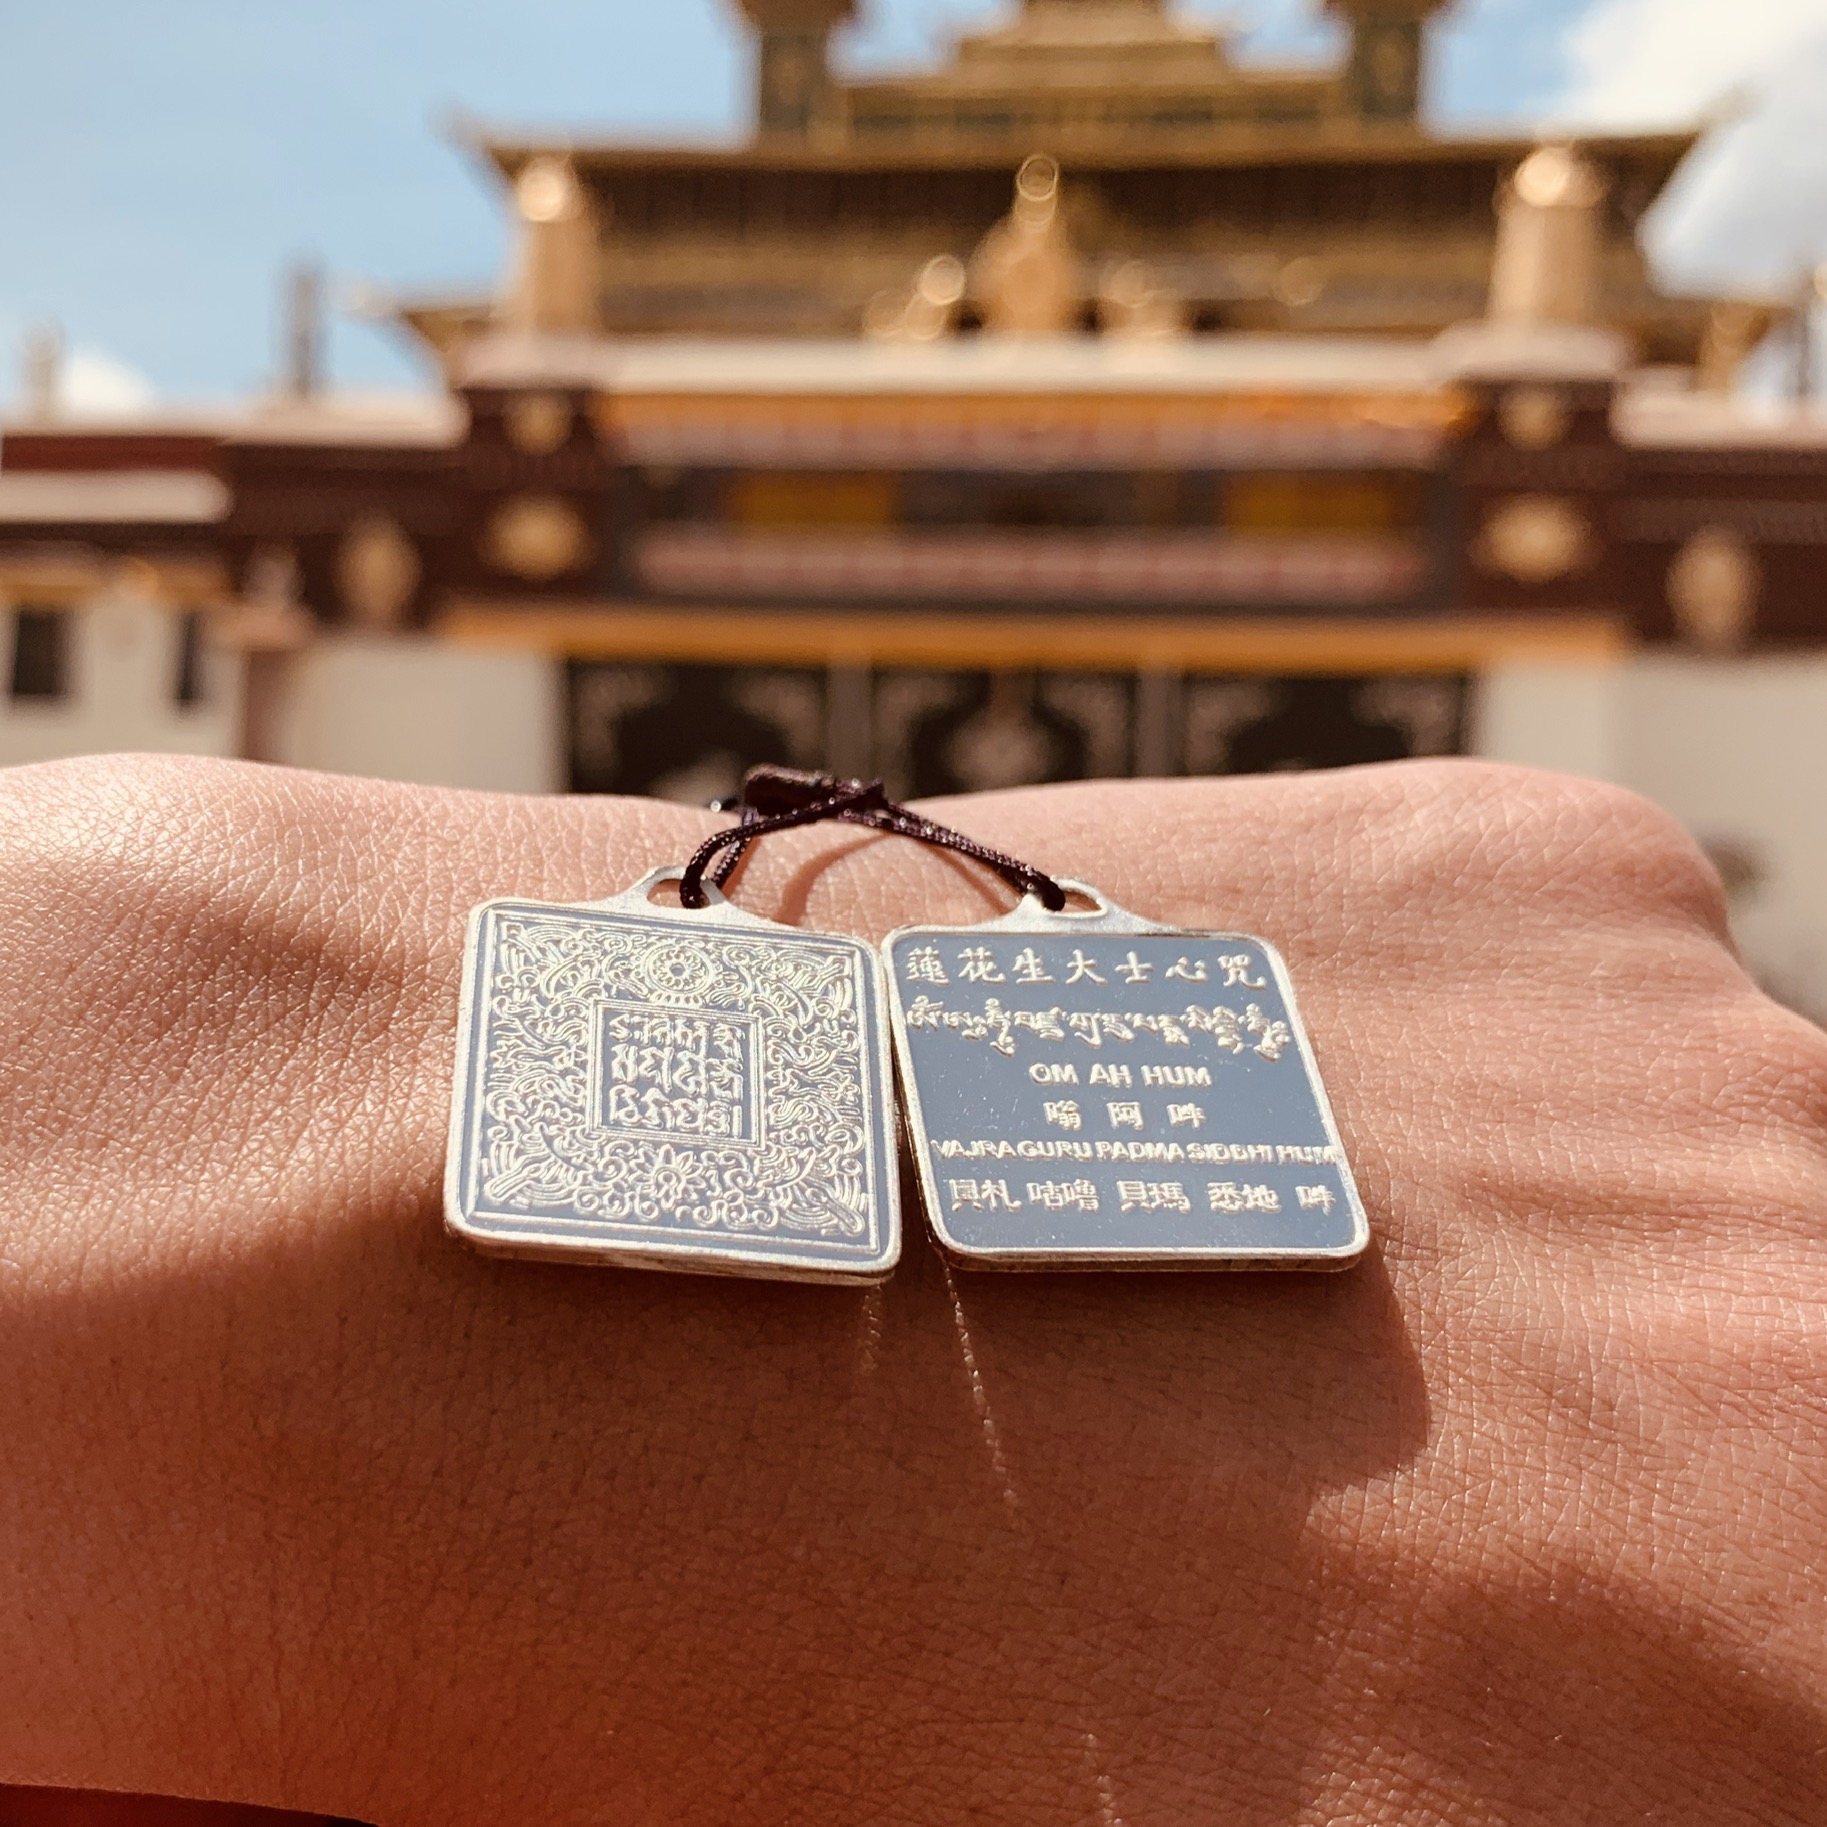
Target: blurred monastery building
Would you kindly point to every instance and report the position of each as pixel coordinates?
(1096, 404)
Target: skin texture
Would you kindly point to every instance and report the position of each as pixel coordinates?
(304, 1504)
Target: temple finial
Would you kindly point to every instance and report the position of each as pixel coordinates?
(1025, 274)
(1546, 267)
(793, 88)
(1386, 70)
(554, 289)
(41, 373)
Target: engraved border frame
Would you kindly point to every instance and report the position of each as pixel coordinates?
(1106, 916)
(616, 1246)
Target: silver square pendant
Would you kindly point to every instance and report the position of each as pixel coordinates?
(649, 1087)
(1096, 1091)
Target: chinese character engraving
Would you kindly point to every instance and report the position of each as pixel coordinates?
(1153, 1196)
(983, 1196)
(977, 964)
(922, 964)
(1143, 1053)
(1064, 1195)
(1030, 967)
(1228, 1196)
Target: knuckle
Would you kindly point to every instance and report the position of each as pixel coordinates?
(1593, 822)
(1792, 1066)
(1754, 1075)
(1500, 833)
(88, 848)
(106, 810)
(1602, 843)
(185, 914)
(120, 864)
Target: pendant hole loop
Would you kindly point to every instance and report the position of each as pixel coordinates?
(1082, 902)
(662, 888)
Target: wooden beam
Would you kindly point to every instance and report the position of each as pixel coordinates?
(1005, 643)
(75, 574)
(52, 577)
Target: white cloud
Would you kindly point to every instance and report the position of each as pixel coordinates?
(1749, 211)
(92, 385)
(1635, 62)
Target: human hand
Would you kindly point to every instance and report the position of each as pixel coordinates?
(305, 1504)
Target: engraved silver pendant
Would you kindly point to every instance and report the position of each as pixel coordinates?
(644, 1086)
(1094, 1090)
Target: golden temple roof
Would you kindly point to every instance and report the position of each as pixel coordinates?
(1310, 200)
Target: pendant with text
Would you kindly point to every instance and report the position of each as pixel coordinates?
(643, 1086)
(1097, 1091)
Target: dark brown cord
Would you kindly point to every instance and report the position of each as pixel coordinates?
(691, 883)
(781, 799)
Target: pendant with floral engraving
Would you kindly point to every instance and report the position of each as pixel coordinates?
(1093, 1090)
(643, 1086)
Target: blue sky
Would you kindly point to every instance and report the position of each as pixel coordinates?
(160, 164)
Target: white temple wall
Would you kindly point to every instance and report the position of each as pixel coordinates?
(1559, 716)
(120, 689)
(415, 709)
(1736, 749)
(1738, 752)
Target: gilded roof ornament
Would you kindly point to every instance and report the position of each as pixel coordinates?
(554, 287)
(1025, 274)
(1546, 268)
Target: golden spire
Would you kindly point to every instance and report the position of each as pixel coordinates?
(1546, 267)
(1386, 67)
(1025, 274)
(793, 88)
(554, 289)
(41, 373)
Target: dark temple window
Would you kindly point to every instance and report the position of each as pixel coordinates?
(41, 653)
(187, 681)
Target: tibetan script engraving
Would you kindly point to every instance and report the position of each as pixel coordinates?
(672, 1072)
(669, 1089)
